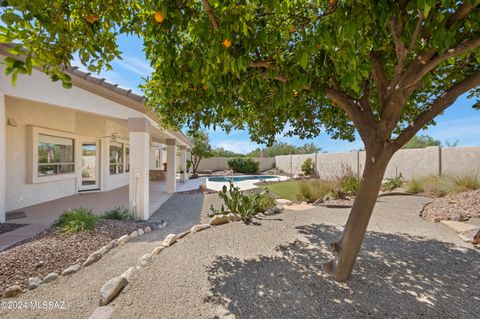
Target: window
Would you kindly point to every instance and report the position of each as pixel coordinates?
(55, 155)
(116, 158)
(127, 159)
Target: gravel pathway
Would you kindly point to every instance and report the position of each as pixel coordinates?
(408, 268)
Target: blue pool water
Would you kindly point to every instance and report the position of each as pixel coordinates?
(240, 178)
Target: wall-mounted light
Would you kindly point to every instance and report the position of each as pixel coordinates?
(12, 122)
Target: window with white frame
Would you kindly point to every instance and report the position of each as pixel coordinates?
(116, 158)
(55, 155)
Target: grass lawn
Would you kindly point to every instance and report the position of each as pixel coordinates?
(288, 189)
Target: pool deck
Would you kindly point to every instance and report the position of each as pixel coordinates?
(243, 185)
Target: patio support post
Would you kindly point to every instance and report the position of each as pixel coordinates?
(183, 163)
(3, 157)
(171, 165)
(139, 187)
(153, 158)
(189, 158)
(161, 155)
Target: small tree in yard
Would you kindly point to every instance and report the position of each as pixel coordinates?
(307, 166)
(384, 69)
(201, 148)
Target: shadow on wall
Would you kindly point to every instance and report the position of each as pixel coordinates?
(395, 276)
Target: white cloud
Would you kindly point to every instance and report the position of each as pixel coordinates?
(140, 67)
(237, 146)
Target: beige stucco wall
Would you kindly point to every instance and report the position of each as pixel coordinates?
(461, 160)
(221, 163)
(19, 192)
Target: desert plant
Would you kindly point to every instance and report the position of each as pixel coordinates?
(118, 213)
(437, 185)
(77, 219)
(464, 182)
(243, 165)
(349, 184)
(313, 190)
(243, 205)
(414, 186)
(392, 183)
(307, 167)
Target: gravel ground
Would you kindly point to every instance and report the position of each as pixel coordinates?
(6, 227)
(408, 268)
(453, 207)
(54, 251)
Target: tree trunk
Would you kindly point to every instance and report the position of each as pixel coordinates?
(348, 247)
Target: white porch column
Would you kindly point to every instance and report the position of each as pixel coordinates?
(183, 162)
(161, 155)
(171, 165)
(3, 157)
(139, 186)
(153, 157)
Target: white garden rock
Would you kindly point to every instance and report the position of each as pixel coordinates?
(140, 232)
(199, 227)
(122, 240)
(134, 234)
(12, 291)
(72, 269)
(181, 235)
(471, 235)
(274, 210)
(283, 201)
(157, 250)
(34, 282)
(234, 217)
(145, 260)
(219, 220)
(128, 274)
(169, 240)
(50, 277)
(94, 257)
(111, 289)
(147, 229)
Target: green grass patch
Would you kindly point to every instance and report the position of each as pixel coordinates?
(287, 189)
(77, 219)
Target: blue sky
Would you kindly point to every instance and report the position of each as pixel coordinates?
(460, 121)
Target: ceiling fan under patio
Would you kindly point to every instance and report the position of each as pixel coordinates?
(115, 136)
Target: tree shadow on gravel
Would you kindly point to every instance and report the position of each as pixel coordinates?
(397, 276)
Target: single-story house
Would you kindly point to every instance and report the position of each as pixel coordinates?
(94, 137)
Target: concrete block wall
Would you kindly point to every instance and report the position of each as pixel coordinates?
(221, 163)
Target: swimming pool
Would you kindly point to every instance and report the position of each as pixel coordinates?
(244, 182)
(241, 178)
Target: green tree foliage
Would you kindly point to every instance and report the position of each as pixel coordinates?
(243, 165)
(201, 148)
(283, 148)
(421, 141)
(221, 152)
(307, 167)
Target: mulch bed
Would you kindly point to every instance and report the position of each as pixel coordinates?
(460, 206)
(7, 227)
(54, 251)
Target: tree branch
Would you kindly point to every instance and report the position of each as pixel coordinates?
(396, 27)
(462, 12)
(437, 107)
(380, 79)
(211, 16)
(416, 32)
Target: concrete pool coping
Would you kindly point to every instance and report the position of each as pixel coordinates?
(243, 185)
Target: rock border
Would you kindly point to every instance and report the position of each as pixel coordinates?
(34, 282)
(145, 260)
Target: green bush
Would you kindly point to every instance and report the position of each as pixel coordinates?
(77, 219)
(392, 183)
(349, 184)
(243, 165)
(313, 190)
(119, 213)
(307, 167)
(243, 205)
(465, 182)
(414, 186)
(437, 185)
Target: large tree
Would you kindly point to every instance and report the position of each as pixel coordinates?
(384, 69)
(201, 148)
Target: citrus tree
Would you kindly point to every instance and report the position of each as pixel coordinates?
(384, 69)
(201, 148)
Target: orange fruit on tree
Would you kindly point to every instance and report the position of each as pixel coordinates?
(227, 43)
(92, 18)
(292, 29)
(158, 17)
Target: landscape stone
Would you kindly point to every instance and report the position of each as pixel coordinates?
(128, 274)
(12, 291)
(94, 257)
(169, 240)
(145, 260)
(157, 250)
(50, 277)
(283, 201)
(471, 235)
(140, 232)
(111, 289)
(122, 240)
(70, 270)
(103, 312)
(199, 227)
(147, 229)
(458, 226)
(34, 282)
(134, 234)
(181, 235)
(234, 217)
(219, 220)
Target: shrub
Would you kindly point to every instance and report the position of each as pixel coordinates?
(77, 219)
(392, 183)
(313, 190)
(243, 165)
(437, 185)
(119, 213)
(465, 182)
(414, 186)
(307, 167)
(349, 184)
(245, 206)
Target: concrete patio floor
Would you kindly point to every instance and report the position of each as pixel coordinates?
(41, 216)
